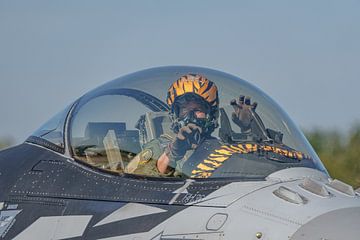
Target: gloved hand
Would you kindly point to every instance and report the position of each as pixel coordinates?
(187, 138)
(242, 115)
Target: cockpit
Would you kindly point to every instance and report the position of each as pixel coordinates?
(126, 125)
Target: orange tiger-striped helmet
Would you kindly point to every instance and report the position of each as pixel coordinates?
(196, 84)
(199, 87)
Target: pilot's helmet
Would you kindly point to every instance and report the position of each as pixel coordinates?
(197, 88)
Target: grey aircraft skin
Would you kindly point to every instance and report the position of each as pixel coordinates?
(71, 180)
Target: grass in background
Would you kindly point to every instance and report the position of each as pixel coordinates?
(339, 152)
(6, 142)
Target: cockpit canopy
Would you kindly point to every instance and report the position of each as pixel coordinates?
(113, 125)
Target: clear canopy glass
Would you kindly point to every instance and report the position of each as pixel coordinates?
(53, 130)
(112, 127)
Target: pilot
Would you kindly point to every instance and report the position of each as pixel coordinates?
(194, 111)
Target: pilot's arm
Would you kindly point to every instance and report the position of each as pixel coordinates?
(145, 163)
(243, 113)
(176, 150)
(249, 121)
(160, 156)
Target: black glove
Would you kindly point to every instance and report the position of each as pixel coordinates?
(187, 138)
(242, 115)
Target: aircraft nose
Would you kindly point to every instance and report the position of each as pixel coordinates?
(337, 224)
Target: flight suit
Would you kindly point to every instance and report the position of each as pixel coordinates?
(147, 159)
(152, 151)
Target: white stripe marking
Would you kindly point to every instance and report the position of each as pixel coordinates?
(55, 228)
(130, 210)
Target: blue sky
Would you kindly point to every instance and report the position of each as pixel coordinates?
(305, 54)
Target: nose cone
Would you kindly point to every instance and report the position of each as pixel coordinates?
(338, 224)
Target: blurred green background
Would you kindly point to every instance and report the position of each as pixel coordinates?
(339, 151)
(6, 142)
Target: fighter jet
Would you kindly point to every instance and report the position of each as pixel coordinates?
(172, 153)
